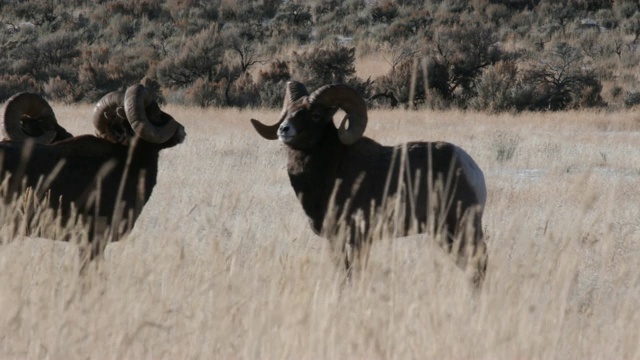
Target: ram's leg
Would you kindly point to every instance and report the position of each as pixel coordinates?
(473, 250)
(93, 252)
(467, 246)
(478, 253)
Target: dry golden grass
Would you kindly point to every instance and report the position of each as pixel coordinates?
(373, 65)
(223, 265)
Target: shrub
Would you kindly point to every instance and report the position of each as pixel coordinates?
(136, 8)
(38, 13)
(122, 28)
(154, 89)
(591, 44)
(206, 93)
(461, 54)
(632, 26)
(57, 89)
(632, 99)
(44, 55)
(626, 8)
(129, 65)
(498, 13)
(271, 93)
(243, 44)
(294, 21)
(524, 96)
(322, 65)
(13, 84)
(244, 92)
(590, 92)
(177, 42)
(615, 91)
(561, 82)
(276, 71)
(198, 58)
(607, 19)
(94, 81)
(495, 88)
(384, 12)
(399, 82)
(271, 84)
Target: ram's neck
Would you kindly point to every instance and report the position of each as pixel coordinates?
(313, 175)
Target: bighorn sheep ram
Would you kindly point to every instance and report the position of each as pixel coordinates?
(345, 181)
(106, 179)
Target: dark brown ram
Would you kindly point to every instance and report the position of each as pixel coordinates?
(346, 182)
(107, 178)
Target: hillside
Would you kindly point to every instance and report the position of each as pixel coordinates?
(493, 55)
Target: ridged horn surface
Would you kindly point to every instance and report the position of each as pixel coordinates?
(109, 109)
(29, 116)
(348, 99)
(146, 118)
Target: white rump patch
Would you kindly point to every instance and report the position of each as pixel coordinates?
(473, 174)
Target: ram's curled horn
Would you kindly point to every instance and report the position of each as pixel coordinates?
(348, 99)
(29, 116)
(108, 110)
(146, 118)
(293, 92)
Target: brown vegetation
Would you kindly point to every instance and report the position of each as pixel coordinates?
(493, 55)
(219, 266)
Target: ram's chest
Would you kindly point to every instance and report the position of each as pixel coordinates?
(312, 179)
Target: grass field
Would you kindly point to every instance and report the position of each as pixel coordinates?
(223, 265)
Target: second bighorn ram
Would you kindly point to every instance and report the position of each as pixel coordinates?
(347, 182)
(105, 179)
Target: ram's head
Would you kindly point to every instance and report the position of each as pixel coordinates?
(305, 115)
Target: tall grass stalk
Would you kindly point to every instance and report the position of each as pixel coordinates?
(223, 264)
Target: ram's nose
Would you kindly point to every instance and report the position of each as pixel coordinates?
(286, 132)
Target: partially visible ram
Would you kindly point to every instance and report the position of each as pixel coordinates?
(346, 181)
(103, 180)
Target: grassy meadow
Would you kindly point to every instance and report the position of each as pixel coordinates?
(223, 265)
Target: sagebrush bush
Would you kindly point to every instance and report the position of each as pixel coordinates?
(383, 12)
(198, 58)
(398, 81)
(495, 89)
(154, 89)
(13, 84)
(626, 8)
(271, 93)
(293, 21)
(562, 82)
(276, 71)
(107, 45)
(324, 64)
(460, 55)
(205, 93)
(615, 91)
(632, 99)
(244, 92)
(271, 83)
(58, 89)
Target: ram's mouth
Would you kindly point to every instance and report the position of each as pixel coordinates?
(285, 138)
